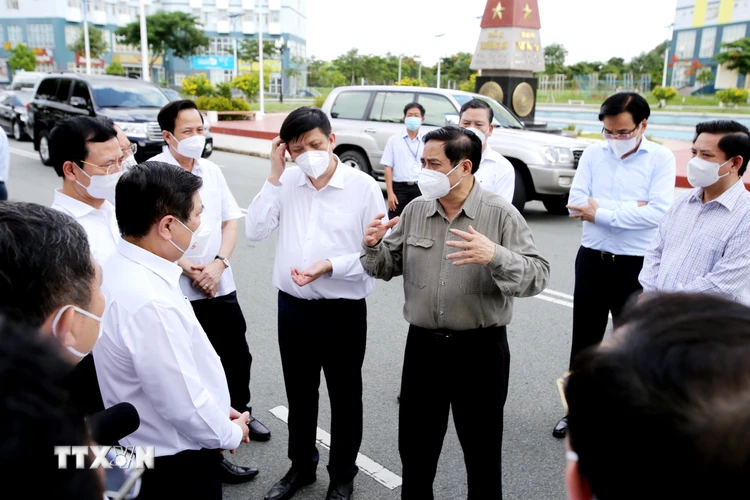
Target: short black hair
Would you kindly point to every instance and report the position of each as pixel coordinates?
(45, 262)
(413, 105)
(661, 410)
(168, 114)
(623, 102)
(303, 120)
(477, 104)
(459, 144)
(38, 415)
(69, 140)
(735, 140)
(148, 192)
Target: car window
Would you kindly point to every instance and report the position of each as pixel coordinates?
(172, 95)
(47, 89)
(436, 107)
(389, 106)
(80, 89)
(128, 94)
(350, 105)
(503, 117)
(63, 90)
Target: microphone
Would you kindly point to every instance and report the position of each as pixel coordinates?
(114, 423)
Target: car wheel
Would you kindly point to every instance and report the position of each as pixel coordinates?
(555, 204)
(357, 160)
(17, 131)
(207, 150)
(44, 148)
(519, 194)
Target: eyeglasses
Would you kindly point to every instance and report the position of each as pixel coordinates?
(114, 167)
(619, 137)
(130, 149)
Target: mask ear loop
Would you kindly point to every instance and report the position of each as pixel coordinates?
(57, 319)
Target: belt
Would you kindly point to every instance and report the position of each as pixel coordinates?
(407, 183)
(610, 257)
(463, 334)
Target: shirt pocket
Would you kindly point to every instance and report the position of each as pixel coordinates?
(417, 260)
(477, 280)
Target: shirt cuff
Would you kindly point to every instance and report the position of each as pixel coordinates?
(338, 267)
(501, 259)
(232, 215)
(236, 437)
(603, 216)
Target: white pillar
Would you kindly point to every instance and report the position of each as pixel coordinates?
(399, 69)
(262, 111)
(145, 71)
(438, 74)
(87, 47)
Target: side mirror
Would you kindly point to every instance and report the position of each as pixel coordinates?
(78, 102)
(451, 120)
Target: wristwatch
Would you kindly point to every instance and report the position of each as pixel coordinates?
(224, 261)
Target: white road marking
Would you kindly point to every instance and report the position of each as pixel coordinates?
(558, 294)
(554, 300)
(27, 154)
(366, 465)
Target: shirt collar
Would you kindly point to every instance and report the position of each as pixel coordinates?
(78, 208)
(169, 158)
(337, 180)
(168, 271)
(728, 198)
(470, 206)
(405, 134)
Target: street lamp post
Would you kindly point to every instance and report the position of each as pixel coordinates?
(86, 44)
(145, 74)
(234, 17)
(440, 57)
(666, 57)
(281, 45)
(399, 68)
(259, 115)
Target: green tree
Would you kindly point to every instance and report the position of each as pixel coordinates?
(98, 46)
(115, 68)
(198, 85)
(22, 58)
(737, 55)
(457, 67)
(705, 77)
(350, 64)
(554, 59)
(249, 83)
(176, 32)
(248, 50)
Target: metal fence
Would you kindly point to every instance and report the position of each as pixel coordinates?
(560, 88)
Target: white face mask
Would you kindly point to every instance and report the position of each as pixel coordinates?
(191, 147)
(198, 243)
(478, 133)
(71, 349)
(314, 163)
(621, 148)
(702, 173)
(128, 162)
(102, 187)
(434, 184)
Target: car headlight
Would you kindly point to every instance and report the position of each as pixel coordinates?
(556, 155)
(133, 129)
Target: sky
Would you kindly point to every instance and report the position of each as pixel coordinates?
(589, 29)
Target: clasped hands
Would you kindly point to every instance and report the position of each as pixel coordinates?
(242, 420)
(475, 248)
(206, 277)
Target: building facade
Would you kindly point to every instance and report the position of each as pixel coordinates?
(700, 29)
(49, 27)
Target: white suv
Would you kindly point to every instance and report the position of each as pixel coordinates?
(364, 117)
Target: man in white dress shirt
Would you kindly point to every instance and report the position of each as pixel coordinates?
(402, 161)
(154, 353)
(86, 154)
(207, 280)
(321, 209)
(495, 174)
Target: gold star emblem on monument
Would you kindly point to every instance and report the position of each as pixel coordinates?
(527, 12)
(497, 12)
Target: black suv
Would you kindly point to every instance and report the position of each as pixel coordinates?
(132, 104)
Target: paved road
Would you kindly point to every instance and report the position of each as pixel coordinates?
(539, 339)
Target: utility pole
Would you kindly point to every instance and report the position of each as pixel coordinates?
(145, 72)
(440, 58)
(86, 44)
(666, 57)
(259, 115)
(234, 17)
(399, 68)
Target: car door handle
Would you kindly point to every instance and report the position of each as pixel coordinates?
(371, 131)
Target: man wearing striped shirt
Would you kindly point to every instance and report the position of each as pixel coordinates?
(703, 243)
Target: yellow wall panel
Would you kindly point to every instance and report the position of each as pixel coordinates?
(699, 13)
(726, 9)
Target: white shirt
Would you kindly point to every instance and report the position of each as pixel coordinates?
(318, 225)
(219, 206)
(4, 156)
(703, 247)
(100, 224)
(621, 227)
(404, 155)
(496, 174)
(155, 355)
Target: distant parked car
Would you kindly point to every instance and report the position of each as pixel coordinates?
(26, 80)
(13, 113)
(132, 104)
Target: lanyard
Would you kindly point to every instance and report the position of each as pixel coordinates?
(414, 153)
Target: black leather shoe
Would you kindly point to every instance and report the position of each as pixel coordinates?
(258, 431)
(290, 483)
(561, 428)
(340, 491)
(230, 473)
